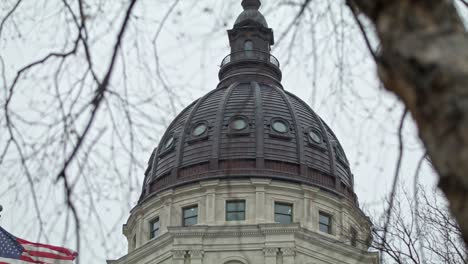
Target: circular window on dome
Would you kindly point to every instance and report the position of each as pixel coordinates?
(315, 136)
(199, 129)
(280, 126)
(238, 123)
(169, 142)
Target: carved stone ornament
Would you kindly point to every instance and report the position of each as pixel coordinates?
(178, 254)
(288, 251)
(196, 254)
(270, 252)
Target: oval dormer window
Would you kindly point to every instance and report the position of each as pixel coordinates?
(169, 142)
(248, 48)
(238, 123)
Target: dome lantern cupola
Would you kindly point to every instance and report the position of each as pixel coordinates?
(250, 40)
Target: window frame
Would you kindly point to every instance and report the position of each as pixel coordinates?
(330, 222)
(238, 132)
(154, 233)
(284, 204)
(184, 218)
(280, 135)
(248, 48)
(227, 212)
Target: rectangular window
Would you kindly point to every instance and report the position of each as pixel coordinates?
(154, 228)
(353, 238)
(190, 215)
(134, 241)
(235, 210)
(283, 213)
(325, 222)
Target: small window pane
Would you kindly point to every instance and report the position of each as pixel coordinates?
(235, 206)
(280, 127)
(248, 45)
(283, 209)
(154, 228)
(283, 219)
(315, 136)
(324, 219)
(325, 228)
(283, 213)
(199, 130)
(235, 210)
(192, 211)
(169, 142)
(190, 215)
(238, 124)
(190, 221)
(325, 223)
(235, 216)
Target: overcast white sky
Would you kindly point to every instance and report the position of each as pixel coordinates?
(340, 84)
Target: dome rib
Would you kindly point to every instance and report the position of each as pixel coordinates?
(180, 118)
(259, 126)
(298, 130)
(186, 127)
(324, 132)
(214, 162)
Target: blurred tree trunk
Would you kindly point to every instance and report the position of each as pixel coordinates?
(423, 59)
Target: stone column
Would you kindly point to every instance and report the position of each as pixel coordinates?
(270, 255)
(196, 256)
(178, 256)
(288, 255)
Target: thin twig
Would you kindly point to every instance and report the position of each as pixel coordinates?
(396, 176)
(351, 5)
(8, 15)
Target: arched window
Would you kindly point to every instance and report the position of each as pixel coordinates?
(248, 47)
(233, 262)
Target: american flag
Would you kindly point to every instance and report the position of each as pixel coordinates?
(15, 250)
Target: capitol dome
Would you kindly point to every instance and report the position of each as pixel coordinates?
(249, 126)
(250, 129)
(248, 173)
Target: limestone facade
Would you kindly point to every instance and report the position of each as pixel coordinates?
(258, 238)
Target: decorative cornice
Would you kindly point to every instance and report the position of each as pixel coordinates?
(178, 254)
(196, 254)
(270, 251)
(288, 251)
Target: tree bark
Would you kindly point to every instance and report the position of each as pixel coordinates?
(423, 59)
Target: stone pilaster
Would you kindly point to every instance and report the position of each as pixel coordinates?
(165, 218)
(196, 256)
(288, 255)
(260, 204)
(210, 201)
(178, 256)
(210, 207)
(270, 255)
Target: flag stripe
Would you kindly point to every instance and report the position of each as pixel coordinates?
(59, 249)
(34, 254)
(33, 248)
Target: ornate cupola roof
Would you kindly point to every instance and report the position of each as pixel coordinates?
(250, 40)
(249, 126)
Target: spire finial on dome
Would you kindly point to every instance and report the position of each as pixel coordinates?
(251, 4)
